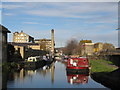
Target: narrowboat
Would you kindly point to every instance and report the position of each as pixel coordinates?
(34, 62)
(78, 65)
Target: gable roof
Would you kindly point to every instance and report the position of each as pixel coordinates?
(4, 29)
(24, 33)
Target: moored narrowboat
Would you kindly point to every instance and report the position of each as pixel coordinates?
(78, 65)
(34, 62)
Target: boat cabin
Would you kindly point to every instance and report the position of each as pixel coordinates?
(78, 63)
(33, 59)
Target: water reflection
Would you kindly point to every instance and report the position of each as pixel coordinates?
(77, 78)
(22, 75)
(50, 76)
(46, 70)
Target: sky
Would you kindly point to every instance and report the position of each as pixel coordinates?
(96, 21)
(60, 0)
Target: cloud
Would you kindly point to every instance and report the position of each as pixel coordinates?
(75, 10)
(12, 6)
(31, 23)
(53, 13)
(72, 10)
(9, 14)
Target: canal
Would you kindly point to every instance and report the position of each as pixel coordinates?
(53, 76)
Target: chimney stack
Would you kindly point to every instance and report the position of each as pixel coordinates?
(52, 38)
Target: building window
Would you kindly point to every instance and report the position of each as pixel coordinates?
(22, 35)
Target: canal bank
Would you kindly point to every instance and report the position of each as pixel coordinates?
(106, 73)
(108, 79)
(101, 65)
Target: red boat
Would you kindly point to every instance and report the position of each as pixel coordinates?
(78, 65)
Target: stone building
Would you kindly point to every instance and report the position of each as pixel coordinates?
(3, 42)
(22, 37)
(23, 47)
(87, 49)
(98, 47)
(45, 43)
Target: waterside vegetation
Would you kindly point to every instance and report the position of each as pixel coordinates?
(101, 65)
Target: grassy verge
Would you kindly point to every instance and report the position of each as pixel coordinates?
(0, 64)
(101, 66)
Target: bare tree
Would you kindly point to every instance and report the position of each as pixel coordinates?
(71, 47)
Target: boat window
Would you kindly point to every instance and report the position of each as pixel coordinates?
(33, 59)
(30, 59)
(75, 61)
(84, 60)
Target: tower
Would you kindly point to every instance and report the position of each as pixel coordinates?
(52, 45)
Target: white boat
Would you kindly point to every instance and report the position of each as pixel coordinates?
(34, 62)
(34, 59)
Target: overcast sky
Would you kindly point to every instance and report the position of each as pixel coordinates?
(97, 21)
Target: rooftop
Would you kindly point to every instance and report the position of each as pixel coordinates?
(42, 39)
(4, 29)
(89, 43)
(22, 44)
(22, 32)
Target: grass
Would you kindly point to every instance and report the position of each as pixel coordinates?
(0, 64)
(101, 66)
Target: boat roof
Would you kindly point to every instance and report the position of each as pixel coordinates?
(34, 57)
(78, 58)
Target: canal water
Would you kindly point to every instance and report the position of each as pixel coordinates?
(53, 76)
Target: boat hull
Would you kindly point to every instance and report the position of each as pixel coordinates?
(34, 65)
(82, 70)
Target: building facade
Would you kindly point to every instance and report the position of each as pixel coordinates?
(22, 48)
(22, 37)
(45, 43)
(98, 47)
(87, 49)
(4, 31)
